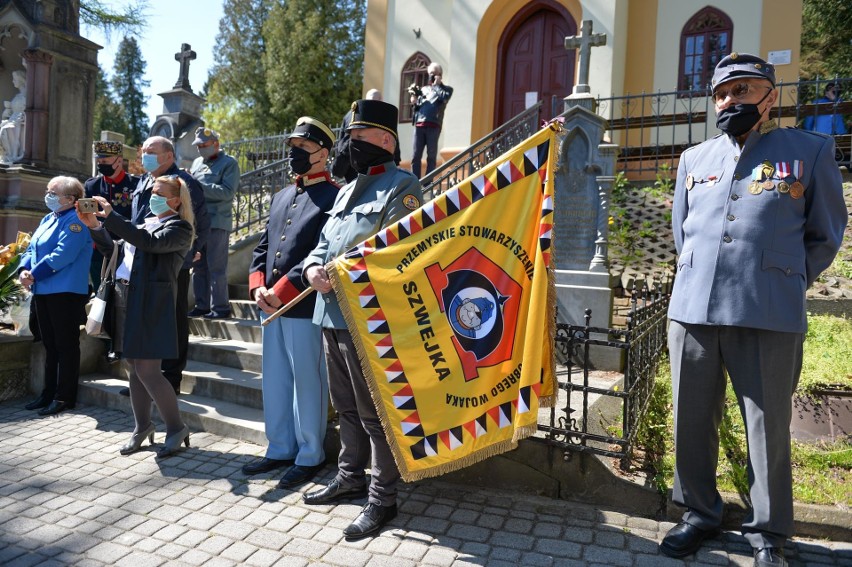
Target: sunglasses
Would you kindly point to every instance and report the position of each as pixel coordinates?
(737, 91)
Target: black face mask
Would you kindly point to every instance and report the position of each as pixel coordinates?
(363, 155)
(106, 169)
(300, 160)
(738, 119)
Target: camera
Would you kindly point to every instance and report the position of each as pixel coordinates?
(414, 90)
(87, 205)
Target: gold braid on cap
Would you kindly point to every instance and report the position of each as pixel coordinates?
(373, 125)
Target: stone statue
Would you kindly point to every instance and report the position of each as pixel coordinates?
(12, 127)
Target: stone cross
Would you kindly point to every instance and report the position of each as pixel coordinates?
(585, 41)
(185, 55)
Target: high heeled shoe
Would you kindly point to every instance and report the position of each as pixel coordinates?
(173, 441)
(136, 440)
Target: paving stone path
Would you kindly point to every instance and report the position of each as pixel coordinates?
(68, 498)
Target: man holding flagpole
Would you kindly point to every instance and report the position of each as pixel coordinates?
(380, 195)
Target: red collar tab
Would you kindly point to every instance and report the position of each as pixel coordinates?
(313, 179)
(117, 179)
(376, 169)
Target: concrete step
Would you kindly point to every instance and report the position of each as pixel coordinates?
(238, 291)
(226, 352)
(200, 413)
(244, 309)
(236, 385)
(231, 329)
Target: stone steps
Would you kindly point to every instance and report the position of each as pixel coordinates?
(200, 413)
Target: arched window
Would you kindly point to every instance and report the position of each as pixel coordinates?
(413, 72)
(705, 39)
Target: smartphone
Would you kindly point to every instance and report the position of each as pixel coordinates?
(87, 205)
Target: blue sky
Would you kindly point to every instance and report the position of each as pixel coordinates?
(169, 24)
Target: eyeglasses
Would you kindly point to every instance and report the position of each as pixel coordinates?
(737, 91)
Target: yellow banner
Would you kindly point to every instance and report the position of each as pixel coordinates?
(452, 312)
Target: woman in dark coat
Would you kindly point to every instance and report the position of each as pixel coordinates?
(150, 257)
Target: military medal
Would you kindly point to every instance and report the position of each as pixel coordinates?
(768, 185)
(690, 182)
(755, 187)
(797, 189)
(783, 187)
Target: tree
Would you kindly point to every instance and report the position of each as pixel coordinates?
(129, 82)
(826, 38)
(131, 19)
(314, 58)
(237, 103)
(108, 113)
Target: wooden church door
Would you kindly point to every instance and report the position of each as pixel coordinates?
(534, 64)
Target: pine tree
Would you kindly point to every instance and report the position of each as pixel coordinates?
(314, 58)
(237, 103)
(129, 83)
(108, 113)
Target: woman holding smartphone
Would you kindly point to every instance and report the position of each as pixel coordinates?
(146, 283)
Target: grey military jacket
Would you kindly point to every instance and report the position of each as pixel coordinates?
(746, 257)
(362, 208)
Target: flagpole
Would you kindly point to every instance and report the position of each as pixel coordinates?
(288, 306)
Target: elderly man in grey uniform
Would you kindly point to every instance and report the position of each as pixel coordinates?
(758, 214)
(380, 195)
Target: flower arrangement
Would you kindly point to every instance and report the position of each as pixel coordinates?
(11, 291)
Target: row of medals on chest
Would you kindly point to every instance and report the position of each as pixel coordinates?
(762, 180)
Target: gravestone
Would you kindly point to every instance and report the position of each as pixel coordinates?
(181, 113)
(583, 183)
(42, 40)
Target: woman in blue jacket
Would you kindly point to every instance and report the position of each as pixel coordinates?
(54, 269)
(149, 260)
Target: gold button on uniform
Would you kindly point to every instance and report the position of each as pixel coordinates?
(727, 238)
(736, 158)
(289, 221)
(731, 217)
(278, 254)
(738, 176)
(275, 271)
(734, 197)
(283, 237)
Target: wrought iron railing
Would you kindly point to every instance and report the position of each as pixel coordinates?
(574, 426)
(265, 170)
(654, 128)
(481, 152)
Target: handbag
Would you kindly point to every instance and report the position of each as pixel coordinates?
(99, 321)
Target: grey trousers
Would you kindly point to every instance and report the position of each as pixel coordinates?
(361, 431)
(764, 369)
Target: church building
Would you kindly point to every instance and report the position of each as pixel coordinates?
(502, 56)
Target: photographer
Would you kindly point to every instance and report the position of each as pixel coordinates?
(429, 103)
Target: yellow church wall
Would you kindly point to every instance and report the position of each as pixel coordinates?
(375, 38)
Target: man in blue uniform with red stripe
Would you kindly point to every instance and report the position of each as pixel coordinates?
(295, 388)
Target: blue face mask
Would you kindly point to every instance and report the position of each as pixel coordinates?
(159, 205)
(52, 202)
(150, 162)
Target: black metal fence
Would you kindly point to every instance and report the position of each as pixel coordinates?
(265, 171)
(654, 128)
(578, 422)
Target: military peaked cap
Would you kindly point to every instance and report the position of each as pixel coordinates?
(374, 114)
(204, 135)
(741, 65)
(313, 130)
(107, 149)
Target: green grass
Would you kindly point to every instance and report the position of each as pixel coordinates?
(822, 472)
(827, 359)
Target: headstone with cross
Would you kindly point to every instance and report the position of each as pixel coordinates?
(583, 184)
(585, 41)
(185, 55)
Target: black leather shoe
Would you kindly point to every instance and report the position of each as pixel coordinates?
(769, 557)
(55, 407)
(684, 539)
(196, 312)
(38, 403)
(125, 392)
(265, 465)
(371, 519)
(334, 493)
(298, 474)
